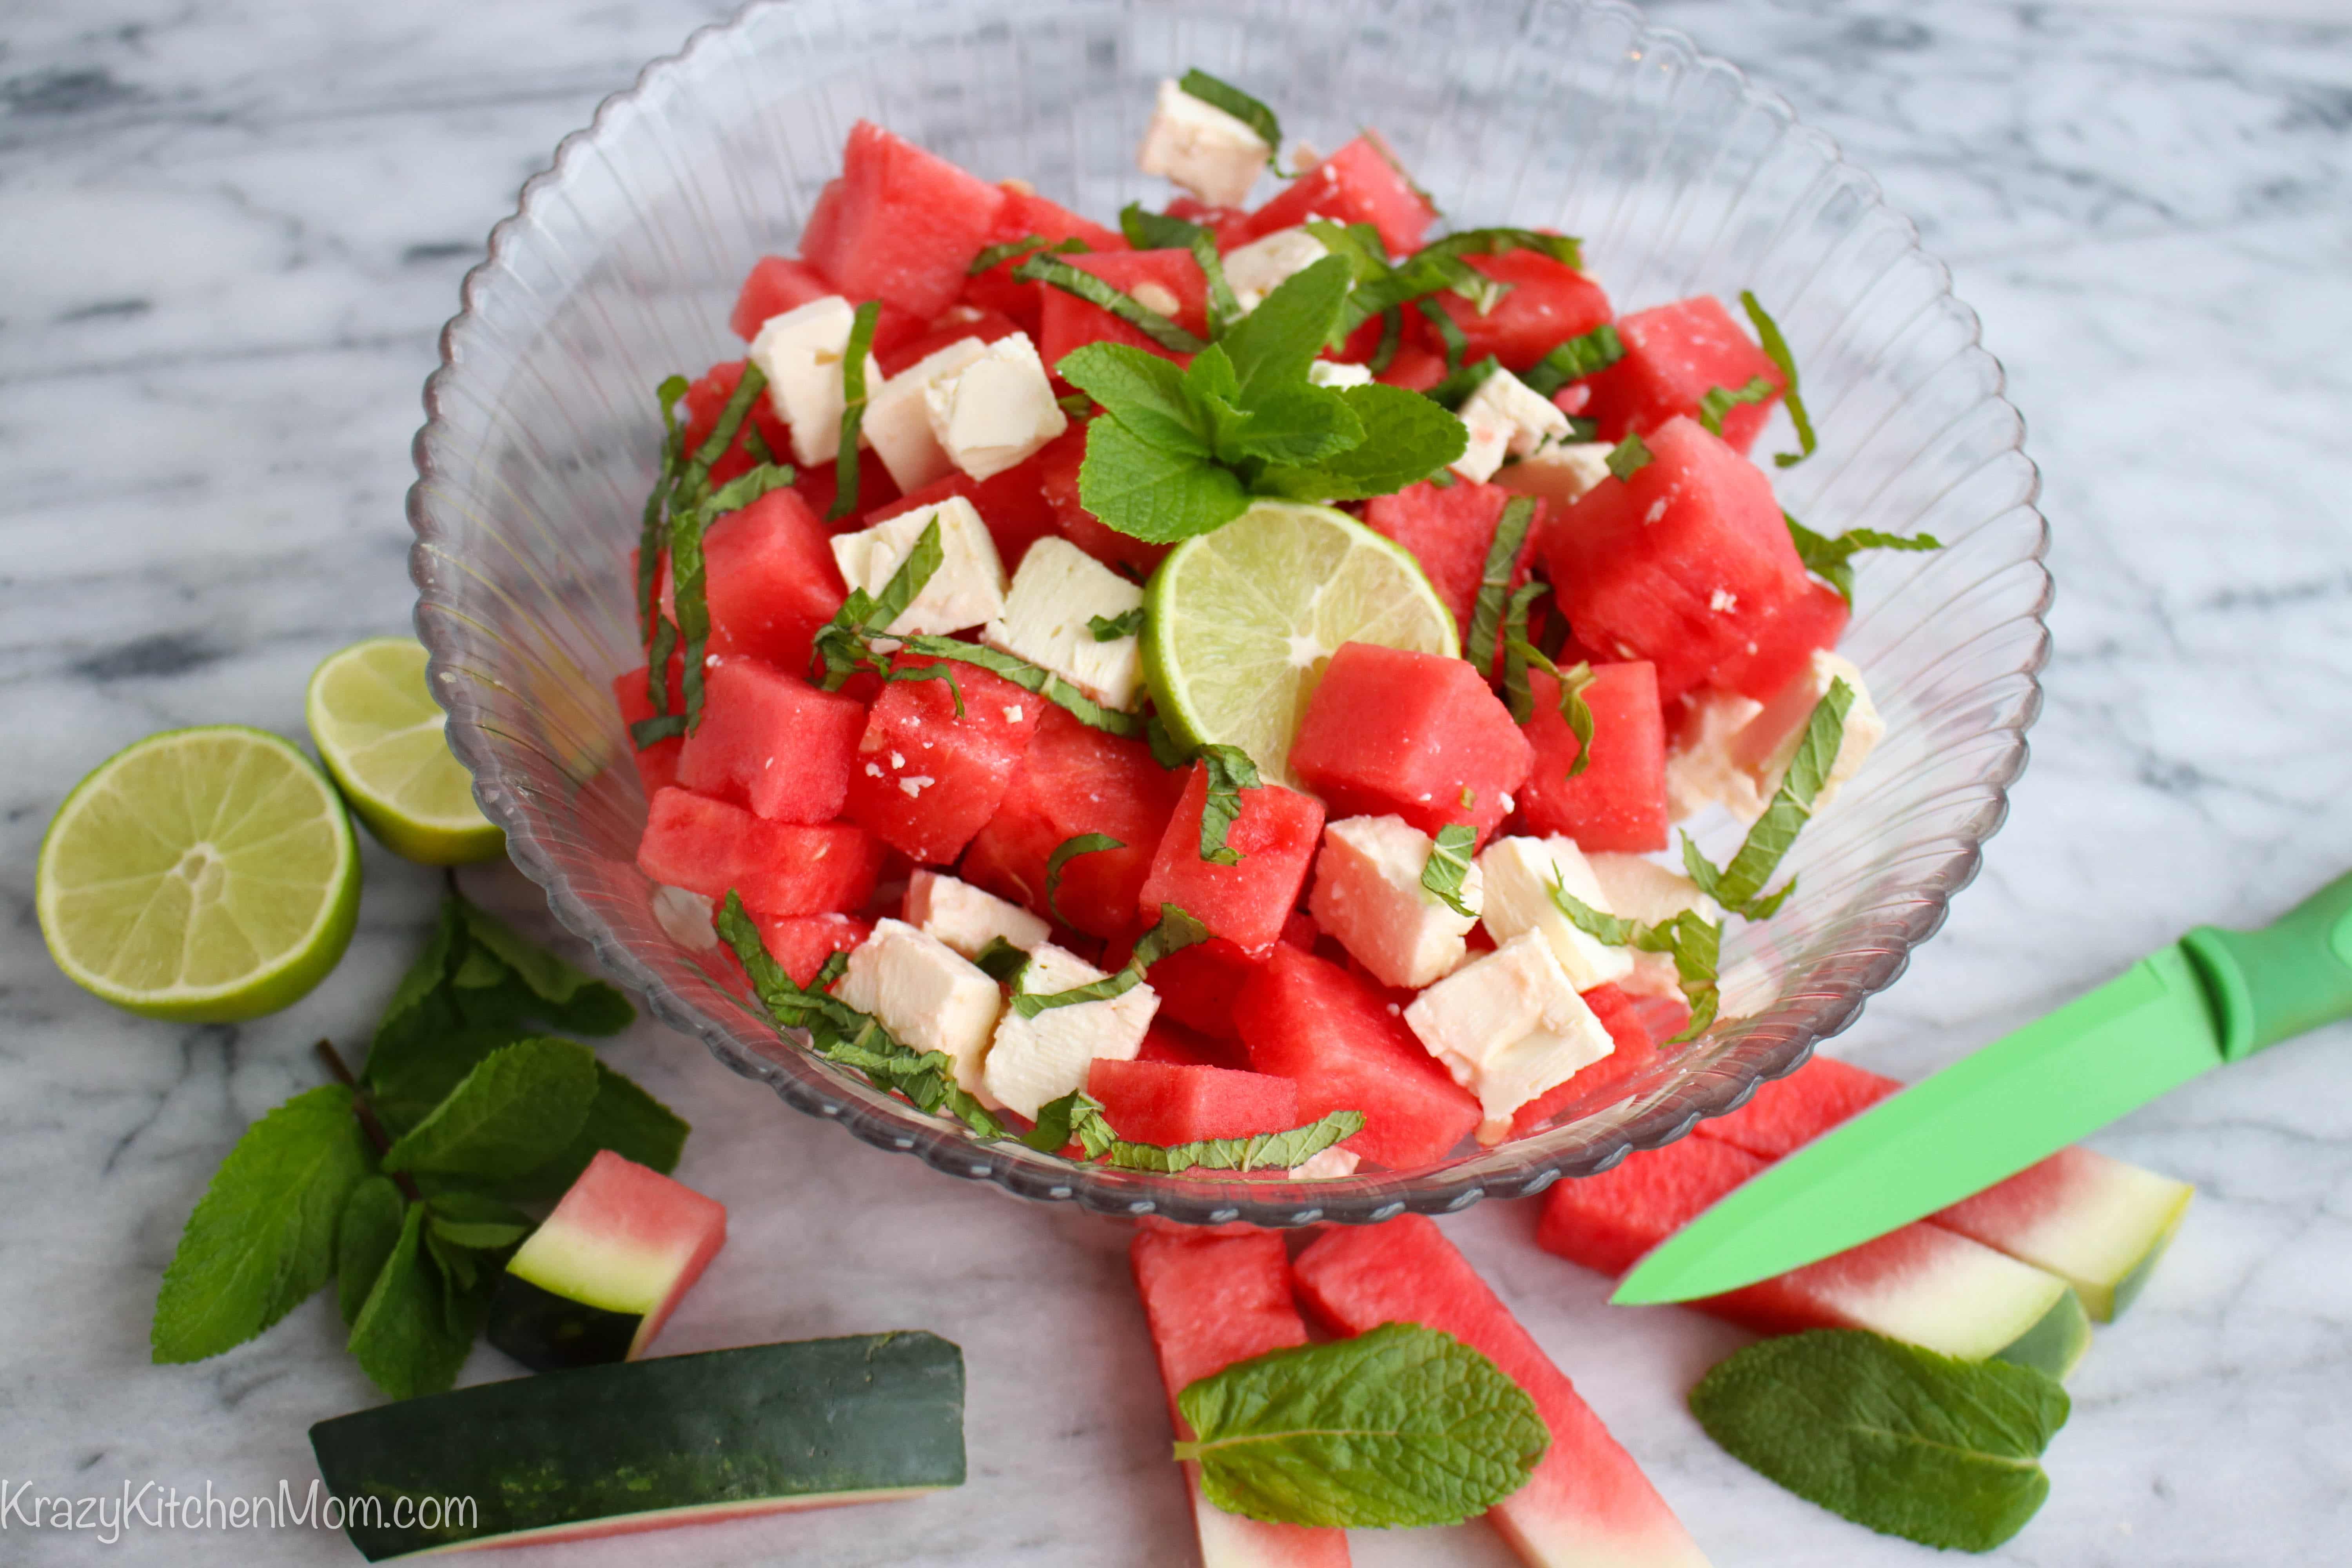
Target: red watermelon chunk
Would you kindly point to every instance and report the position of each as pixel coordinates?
(1588, 1502)
(1785, 644)
(802, 943)
(1057, 475)
(1231, 225)
(656, 764)
(1309, 1019)
(1211, 1301)
(925, 780)
(1684, 564)
(1414, 368)
(1024, 214)
(779, 283)
(1620, 801)
(1012, 504)
(1786, 1114)
(1449, 530)
(819, 483)
(772, 741)
(1675, 355)
(1550, 303)
(1155, 1102)
(1631, 1032)
(1362, 183)
(706, 398)
(1416, 735)
(1075, 779)
(1070, 322)
(708, 846)
(1276, 836)
(1197, 984)
(769, 580)
(900, 225)
(1181, 1047)
(954, 324)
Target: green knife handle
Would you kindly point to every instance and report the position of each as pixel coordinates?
(2289, 977)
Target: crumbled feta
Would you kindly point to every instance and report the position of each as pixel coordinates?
(1057, 592)
(1508, 1027)
(1043, 1058)
(1328, 1165)
(1558, 471)
(1505, 417)
(1519, 873)
(1259, 267)
(1765, 747)
(1699, 767)
(914, 784)
(967, 919)
(1338, 374)
(800, 352)
(1488, 443)
(1213, 154)
(967, 589)
(1368, 895)
(995, 411)
(685, 918)
(928, 994)
(1723, 601)
(898, 419)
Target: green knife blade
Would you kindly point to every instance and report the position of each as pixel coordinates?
(2212, 997)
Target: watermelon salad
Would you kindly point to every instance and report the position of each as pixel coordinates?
(1213, 691)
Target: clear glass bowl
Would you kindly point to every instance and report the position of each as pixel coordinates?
(622, 259)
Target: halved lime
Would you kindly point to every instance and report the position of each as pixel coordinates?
(1241, 623)
(387, 743)
(201, 875)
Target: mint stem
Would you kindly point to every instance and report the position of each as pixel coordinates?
(364, 1109)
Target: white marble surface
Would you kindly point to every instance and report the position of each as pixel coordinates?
(227, 236)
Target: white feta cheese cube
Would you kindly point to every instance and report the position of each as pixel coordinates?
(1489, 444)
(967, 919)
(1259, 267)
(1057, 592)
(1519, 873)
(1505, 402)
(995, 411)
(1328, 1166)
(1700, 770)
(1508, 1027)
(1038, 1060)
(966, 590)
(800, 352)
(927, 996)
(1338, 374)
(898, 422)
(1641, 890)
(1214, 156)
(1368, 895)
(1764, 748)
(1558, 471)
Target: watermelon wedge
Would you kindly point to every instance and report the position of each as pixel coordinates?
(1588, 1504)
(1213, 1300)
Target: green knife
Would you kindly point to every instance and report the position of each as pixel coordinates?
(2212, 997)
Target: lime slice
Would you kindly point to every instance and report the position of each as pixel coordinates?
(202, 875)
(1242, 622)
(387, 742)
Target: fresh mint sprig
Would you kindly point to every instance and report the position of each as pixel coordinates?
(1776, 349)
(1831, 560)
(1739, 886)
(1443, 874)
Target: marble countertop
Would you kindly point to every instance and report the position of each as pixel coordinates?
(228, 235)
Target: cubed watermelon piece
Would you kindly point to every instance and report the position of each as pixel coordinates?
(1012, 504)
(1197, 984)
(706, 398)
(1684, 565)
(1785, 644)
(780, 283)
(1213, 1300)
(1449, 529)
(924, 779)
(1620, 801)
(772, 741)
(1785, 1114)
(1309, 1019)
(1070, 322)
(1156, 1102)
(656, 764)
(1231, 225)
(769, 580)
(1587, 1503)
(1181, 1047)
(1550, 303)
(1414, 368)
(953, 325)
(1075, 779)
(1275, 836)
(1362, 183)
(1390, 732)
(1923, 1284)
(708, 846)
(1634, 1049)
(1057, 477)
(802, 943)
(1674, 356)
(1025, 212)
(900, 225)
(819, 484)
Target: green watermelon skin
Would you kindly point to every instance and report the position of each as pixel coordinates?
(605, 1450)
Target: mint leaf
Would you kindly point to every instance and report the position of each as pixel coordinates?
(1776, 349)
(852, 409)
(1110, 628)
(1519, 655)
(262, 1237)
(365, 1237)
(997, 255)
(1148, 492)
(1274, 344)
(1258, 1152)
(1457, 389)
(622, 1118)
(414, 1332)
(1158, 231)
(475, 1222)
(1519, 694)
(1692, 941)
(1400, 1426)
(1295, 425)
(1720, 401)
(1449, 862)
(1166, 750)
(1224, 308)
(1230, 771)
(511, 1114)
(649, 533)
(1406, 438)
(1077, 1115)
(1449, 332)
(1899, 1439)
(574, 1000)
(1067, 850)
(1029, 678)
(1831, 559)
(1001, 962)
(1143, 391)
(1495, 581)
(1057, 273)
(1236, 102)
(1575, 359)
(1174, 930)
(687, 502)
(1735, 886)
(1629, 457)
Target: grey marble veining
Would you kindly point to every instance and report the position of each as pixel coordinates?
(228, 238)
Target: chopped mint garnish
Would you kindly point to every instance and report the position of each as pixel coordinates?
(1078, 1115)
(1899, 1439)
(1392, 338)
(650, 534)
(1224, 95)
(1073, 281)
(852, 409)
(1518, 695)
(1448, 330)
(1158, 231)
(1166, 750)
(1503, 553)
(1449, 862)
(1001, 962)
(1457, 389)
(1519, 655)
(1224, 308)
(997, 255)
(1230, 771)
(1692, 941)
(1067, 850)
(1739, 886)
(1400, 1426)
(1030, 678)
(1575, 359)
(1629, 457)
(1720, 401)
(841, 642)
(1174, 930)
(1776, 349)
(1831, 560)
(1110, 628)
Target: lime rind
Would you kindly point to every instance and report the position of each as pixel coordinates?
(172, 882)
(386, 743)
